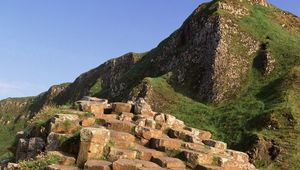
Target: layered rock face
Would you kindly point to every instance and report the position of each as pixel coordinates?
(129, 136)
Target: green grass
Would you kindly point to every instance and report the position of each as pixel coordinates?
(263, 98)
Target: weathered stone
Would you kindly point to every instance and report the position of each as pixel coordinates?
(123, 126)
(12, 166)
(64, 123)
(66, 159)
(208, 167)
(216, 144)
(121, 136)
(97, 165)
(61, 167)
(21, 153)
(184, 135)
(227, 163)
(87, 122)
(92, 143)
(195, 158)
(121, 107)
(54, 141)
(147, 133)
(146, 153)
(238, 156)
(160, 118)
(124, 164)
(125, 116)
(142, 107)
(20, 135)
(163, 144)
(173, 122)
(116, 154)
(168, 162)
(203, 135)
(96, 108)
(35, 147)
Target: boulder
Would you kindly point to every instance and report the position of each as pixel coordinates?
(35, 147)
(97, 165)
(21, 153)
(121, 107)
(126, 116)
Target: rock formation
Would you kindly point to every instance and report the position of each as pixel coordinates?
(124, 140)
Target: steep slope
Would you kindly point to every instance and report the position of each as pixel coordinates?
(231, 68)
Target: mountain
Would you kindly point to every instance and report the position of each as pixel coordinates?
(232, 68)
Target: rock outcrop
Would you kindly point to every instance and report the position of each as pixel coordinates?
(141, 141)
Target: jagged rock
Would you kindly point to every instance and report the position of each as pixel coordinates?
(21, 153)
(61, 167)
(121, 107)
(97, 165)
(66, 159)
(92, 143)
(142, 107)
(123, 164)
(168, 162)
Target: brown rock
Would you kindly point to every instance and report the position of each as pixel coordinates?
(116, 154)
(97, 165)
(142, 107)
(163, 144)
(125, 116)
(207, 167)
(124, 164)
(121, 107)
(123, 126)
(168, 162)
(61, 167)
(195, 158)
(146, 154)
(238, 156)
(92, 143)
(87, 122)
(121, 136)
(147, 133)
(64, 123)
(216, 144)
(202, 135)
(93, 107)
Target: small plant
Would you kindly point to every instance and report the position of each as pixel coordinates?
(40, 164)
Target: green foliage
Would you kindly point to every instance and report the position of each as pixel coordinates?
(40, 164)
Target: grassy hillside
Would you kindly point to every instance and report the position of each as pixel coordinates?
(267, 107)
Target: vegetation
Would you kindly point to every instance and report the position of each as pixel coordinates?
(40, 164)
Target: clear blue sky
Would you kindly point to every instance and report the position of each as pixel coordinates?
(46, 42)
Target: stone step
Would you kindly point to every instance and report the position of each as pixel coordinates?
(121, 107)
(217, 144)
(118, 125)
(125, 164)
(66, 159)
(97, 165)
(207, 167)
(146, 153)
(164, 144)
(116, 154)
(168, 162)
(61, 167)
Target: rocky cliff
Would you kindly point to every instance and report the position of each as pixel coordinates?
(232, 68)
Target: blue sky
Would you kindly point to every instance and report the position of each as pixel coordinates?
(53, 41)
